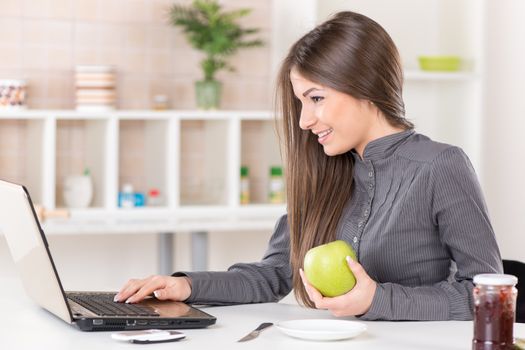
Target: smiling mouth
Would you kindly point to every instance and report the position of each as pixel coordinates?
(324, 133)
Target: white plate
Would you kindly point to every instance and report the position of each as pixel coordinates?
(321, 329)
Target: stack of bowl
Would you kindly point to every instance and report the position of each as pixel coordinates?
(95, 87)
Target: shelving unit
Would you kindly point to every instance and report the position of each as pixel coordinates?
(192, 157)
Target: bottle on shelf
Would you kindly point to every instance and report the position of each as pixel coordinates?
(127, 197)
(154, 199)
(140, 199)
(276, 188)
(245, 185)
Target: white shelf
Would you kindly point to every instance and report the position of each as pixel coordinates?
(188, 212)
(155, 220)
(136, 114)
(192, 156)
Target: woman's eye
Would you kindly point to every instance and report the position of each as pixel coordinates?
(316, 99)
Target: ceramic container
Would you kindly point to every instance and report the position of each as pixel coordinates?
(78, 191)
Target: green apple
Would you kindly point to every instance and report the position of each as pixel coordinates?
(326, 268)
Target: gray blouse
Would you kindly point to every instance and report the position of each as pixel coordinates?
(418, 223)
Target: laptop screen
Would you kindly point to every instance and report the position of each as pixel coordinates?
(29, 250)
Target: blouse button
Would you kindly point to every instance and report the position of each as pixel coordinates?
(370, 174)
(355, 239)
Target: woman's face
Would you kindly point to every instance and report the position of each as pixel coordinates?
(340, 121)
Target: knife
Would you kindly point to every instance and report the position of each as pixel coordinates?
(253, 334)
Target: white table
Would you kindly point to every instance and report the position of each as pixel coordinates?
(23, 325)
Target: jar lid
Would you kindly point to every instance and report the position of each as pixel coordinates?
(154, 192)
(127, 188)
(276, 171)
(495, 279)
(160, 98)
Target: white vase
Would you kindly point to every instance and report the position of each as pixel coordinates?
(78, 191)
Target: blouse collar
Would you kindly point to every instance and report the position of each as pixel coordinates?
(383, 147)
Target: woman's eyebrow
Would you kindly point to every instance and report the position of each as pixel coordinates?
(309, 90)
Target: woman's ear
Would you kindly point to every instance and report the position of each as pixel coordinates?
(370, 105)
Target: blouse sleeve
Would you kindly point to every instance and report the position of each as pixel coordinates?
(265, 281)
(459, 211)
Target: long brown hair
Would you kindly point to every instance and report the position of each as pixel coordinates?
(353, 54)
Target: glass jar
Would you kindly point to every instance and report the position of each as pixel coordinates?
(494, 311)
(160, 102)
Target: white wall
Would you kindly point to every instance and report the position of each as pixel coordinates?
(291, 19)
(504, 137)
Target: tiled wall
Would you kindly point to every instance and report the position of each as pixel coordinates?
(42, 41)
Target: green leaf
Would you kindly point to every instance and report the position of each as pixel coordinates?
(215, 32)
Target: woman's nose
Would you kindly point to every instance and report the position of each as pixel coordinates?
(306, 120)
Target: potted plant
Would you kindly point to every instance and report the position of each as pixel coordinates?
(217, 34)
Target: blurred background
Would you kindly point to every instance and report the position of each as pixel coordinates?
(474, 101)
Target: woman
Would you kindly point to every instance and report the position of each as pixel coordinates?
(410, 207)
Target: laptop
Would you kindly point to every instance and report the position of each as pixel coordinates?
(89, 311)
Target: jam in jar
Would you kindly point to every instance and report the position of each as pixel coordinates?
(494, 311)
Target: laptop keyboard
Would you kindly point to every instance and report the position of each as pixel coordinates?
(102, 304)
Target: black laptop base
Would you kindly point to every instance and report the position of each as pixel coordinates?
(108, 324)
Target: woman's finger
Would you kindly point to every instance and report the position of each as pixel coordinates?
(357, 269)
(129, 289)
(156, 282)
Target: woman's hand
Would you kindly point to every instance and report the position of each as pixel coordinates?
(355, 302)
(163, 287)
